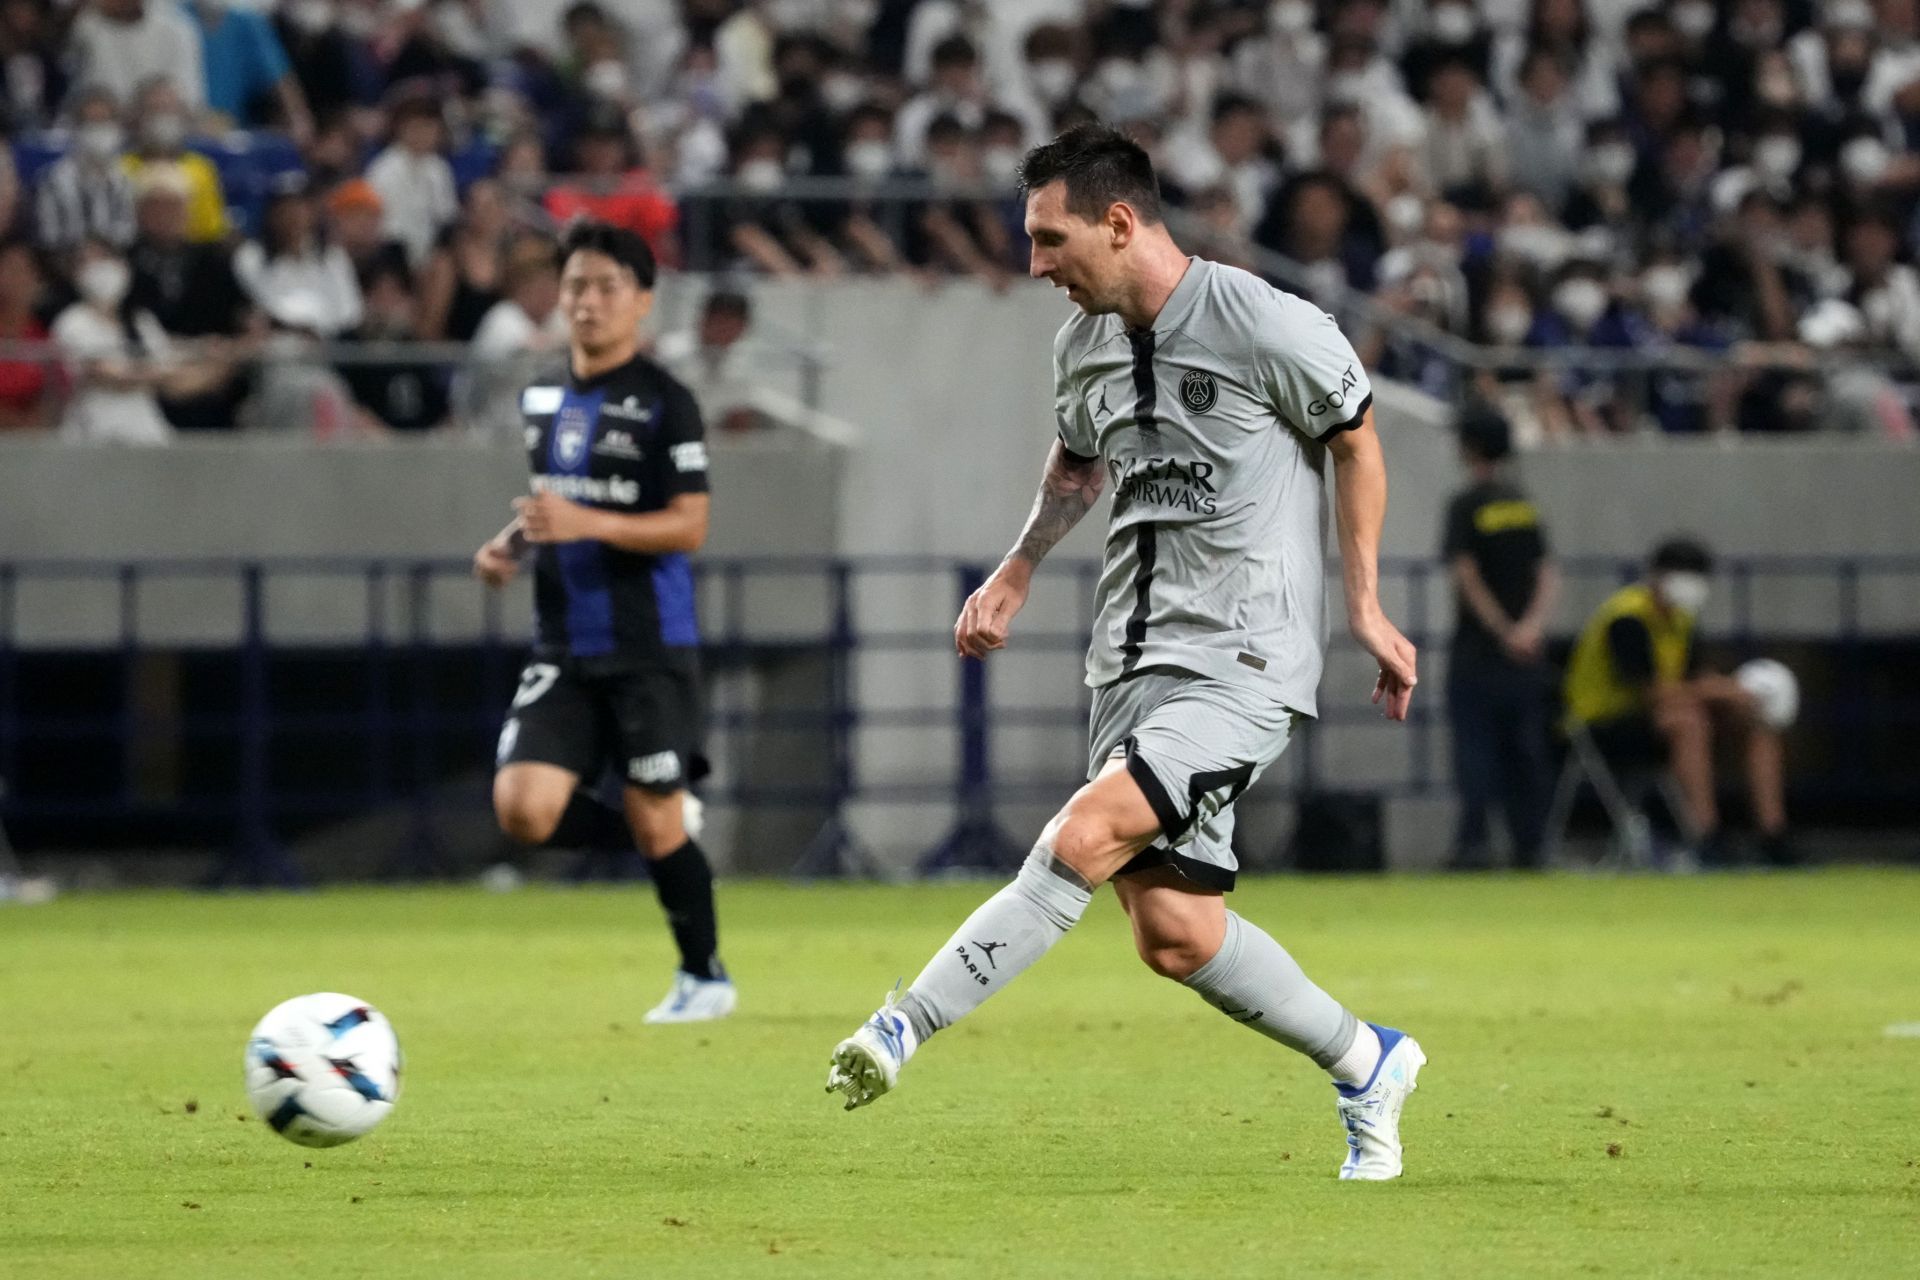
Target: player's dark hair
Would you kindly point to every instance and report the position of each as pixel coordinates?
(618, 243)
(1682, 555)
(1101, 167)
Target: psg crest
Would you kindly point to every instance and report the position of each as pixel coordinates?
(1198, 391)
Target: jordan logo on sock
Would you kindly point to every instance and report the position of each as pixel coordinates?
(986, 952)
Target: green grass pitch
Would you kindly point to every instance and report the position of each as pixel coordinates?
(1635, 1077)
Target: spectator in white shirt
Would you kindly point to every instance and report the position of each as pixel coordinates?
(289, 268)
(116, 358)
(414, 180)
(528, 318)
(119, 45)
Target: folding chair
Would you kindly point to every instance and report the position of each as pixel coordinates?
(1623, 796)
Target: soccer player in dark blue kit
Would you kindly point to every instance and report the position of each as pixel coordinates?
(619, 463)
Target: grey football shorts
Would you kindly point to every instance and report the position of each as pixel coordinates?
(1193, 745)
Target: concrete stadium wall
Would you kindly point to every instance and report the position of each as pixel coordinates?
(952, 389)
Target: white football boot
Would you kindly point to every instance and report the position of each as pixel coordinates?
(867, 1063)
(1371, 1113)
(692, 999)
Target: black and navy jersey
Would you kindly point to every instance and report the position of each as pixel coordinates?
(629, 440)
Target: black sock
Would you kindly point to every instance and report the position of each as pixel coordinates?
(684, 882)
(591, 823)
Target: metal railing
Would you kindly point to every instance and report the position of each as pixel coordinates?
(407, 745)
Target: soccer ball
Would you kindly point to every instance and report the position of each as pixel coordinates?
(1774, 690)
(323, 1069)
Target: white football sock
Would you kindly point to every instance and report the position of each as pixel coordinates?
(1356, 1065)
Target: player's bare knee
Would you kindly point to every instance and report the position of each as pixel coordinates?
(527, 818)
(1087, 841)
(1174, 956)
(658, 822)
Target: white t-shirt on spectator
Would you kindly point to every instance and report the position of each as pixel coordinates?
(508, 330)
(418, 196)
(102, 415)
(332, 304)
(122, 56)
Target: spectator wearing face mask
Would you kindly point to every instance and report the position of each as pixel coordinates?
(1607, 165)
(874, 230)
(1683, 401)
(160, 124)
(86, 193)
(1580, 313)
(1050, 68)
(762, 226)
(963, 232)
(119, 45)
(117, 357)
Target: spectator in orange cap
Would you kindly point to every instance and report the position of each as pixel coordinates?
(355, 224)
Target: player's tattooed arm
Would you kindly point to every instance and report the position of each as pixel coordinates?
(1068, 489)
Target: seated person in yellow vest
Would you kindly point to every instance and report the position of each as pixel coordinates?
(1633, 681)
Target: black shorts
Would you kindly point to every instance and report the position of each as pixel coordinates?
(641, 718)
(1629, 741)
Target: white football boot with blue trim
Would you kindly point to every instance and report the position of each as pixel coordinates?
(867, 1063)
(1371, 1113)
(693, 999)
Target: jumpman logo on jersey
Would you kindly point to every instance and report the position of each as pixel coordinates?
(1101, 408)
(986, 952)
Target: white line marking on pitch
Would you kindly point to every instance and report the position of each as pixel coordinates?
(1903, 1030)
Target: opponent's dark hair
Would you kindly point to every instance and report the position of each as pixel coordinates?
(1101, 167)
(618, 243)
(1682, 555)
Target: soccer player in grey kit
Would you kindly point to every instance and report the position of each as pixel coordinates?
(1207, 402)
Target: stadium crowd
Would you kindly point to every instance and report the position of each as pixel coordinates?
(189, 185)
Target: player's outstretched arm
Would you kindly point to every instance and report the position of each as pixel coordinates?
(1068, 489)
(1360, 493)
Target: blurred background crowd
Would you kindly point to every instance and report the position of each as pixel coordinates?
(1601, 215)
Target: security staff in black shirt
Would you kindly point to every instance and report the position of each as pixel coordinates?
(1498, 681)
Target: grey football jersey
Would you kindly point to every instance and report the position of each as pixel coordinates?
(1212, 430)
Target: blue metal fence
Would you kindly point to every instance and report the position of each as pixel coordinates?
(401, 732)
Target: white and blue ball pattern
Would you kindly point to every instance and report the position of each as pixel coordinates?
(323, 1069)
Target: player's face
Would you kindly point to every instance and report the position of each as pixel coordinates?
(1070, 252)
(602, 301)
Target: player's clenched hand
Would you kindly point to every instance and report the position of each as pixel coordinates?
(548, 517)
(495, 564)
(1395, 654)
(988, 612)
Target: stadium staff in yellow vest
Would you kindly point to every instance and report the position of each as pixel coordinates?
(1633, 682)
